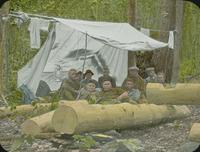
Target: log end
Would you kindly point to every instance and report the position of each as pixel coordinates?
(65, 120)
(29, 127)
(195, 132)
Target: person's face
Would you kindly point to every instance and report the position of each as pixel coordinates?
(151, 73)
(107, 85)
(91, 87)
(129, 85)
(88, 76)
(161, 78)
(133, 72)
(73, 75)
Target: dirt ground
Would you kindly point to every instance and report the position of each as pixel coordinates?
(166, 137)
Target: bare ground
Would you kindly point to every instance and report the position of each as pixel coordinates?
(167, 137)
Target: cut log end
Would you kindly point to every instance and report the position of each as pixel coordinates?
(195, 132)
(29, 127)
(63, 125)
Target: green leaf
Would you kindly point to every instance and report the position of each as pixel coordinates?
(16, 144)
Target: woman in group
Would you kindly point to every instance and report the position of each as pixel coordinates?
(109, 95)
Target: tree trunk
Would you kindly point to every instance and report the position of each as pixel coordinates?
(88, 118)
(42, 124)
(195, 132)
(132, 21)
(4, 10)
(178, 40)
(182, 94)
(165, 56)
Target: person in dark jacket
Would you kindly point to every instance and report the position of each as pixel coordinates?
(70, 86)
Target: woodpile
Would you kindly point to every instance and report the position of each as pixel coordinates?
(73, 117)
(181, 94)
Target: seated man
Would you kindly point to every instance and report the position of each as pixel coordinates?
(106, 76)
(87, 77)
(89, 92)
(69, 87)
(161, 77)
(137, 80)
(109, 95)
(131, 94)
(152, 77)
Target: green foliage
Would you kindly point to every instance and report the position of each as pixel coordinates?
(188, 68)
(190, 54)
(85, 9)
(18, 142)
(14, 98)
(84, 142)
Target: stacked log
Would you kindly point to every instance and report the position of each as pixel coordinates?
(42, 123)
(181, 94)
(87, 118)
(195, 132)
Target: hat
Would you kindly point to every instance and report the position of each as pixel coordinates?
(88, 71)
(133, 68)
(79, 72)
(150, 69)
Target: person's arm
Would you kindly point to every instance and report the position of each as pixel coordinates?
(123, 96)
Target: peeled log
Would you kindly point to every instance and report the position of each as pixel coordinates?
(23, 109)
(87, 118)
(195, 132)
(182, 94)
(38, 124)
(42, 124)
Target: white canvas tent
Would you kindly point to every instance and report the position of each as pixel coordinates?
(106, 44)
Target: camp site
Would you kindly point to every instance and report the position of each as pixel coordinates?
(100, 76)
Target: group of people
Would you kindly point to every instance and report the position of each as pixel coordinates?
(104, 91)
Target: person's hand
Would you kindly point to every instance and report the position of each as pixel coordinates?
(144, 100)
(123, 95)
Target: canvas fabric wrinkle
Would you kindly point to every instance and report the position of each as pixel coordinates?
(35, 27)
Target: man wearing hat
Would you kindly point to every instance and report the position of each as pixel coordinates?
(69, 87)
(152, 77)
(87, 77)
(137, 80)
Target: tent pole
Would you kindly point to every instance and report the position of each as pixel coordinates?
(86, 35)
(85, 54)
